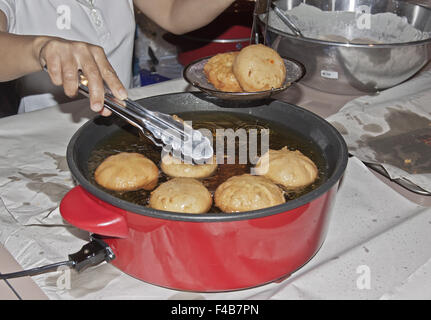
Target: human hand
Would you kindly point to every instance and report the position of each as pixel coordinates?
(64, 59)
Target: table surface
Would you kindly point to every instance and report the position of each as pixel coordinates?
(398, 268)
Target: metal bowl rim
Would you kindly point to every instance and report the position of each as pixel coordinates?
(356, 45)
(351, 45)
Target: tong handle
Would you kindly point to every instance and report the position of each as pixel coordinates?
(136, 111)
(113, 104)
(118, 107)
(260, 7)
(161, 126)
(285, 18)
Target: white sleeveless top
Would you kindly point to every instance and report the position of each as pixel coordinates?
(107, 23)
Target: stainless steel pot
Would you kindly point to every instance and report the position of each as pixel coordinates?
(349, 68)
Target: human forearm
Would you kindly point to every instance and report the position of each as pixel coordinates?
(181, 16)
(19, 55)
(64, 59)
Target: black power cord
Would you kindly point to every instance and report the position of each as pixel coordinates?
(36, 271)
(91, 254)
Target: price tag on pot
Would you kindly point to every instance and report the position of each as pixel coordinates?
(329, 74)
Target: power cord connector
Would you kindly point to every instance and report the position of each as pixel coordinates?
(91, 254)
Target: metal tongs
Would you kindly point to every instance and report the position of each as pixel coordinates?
(287, 21)
(260, 7)
(162, 129)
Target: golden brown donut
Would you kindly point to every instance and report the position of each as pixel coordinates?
(218, 71)
(247, 192)
(258, 68)
(185, 195)
(126, 172)
(174, 167)
(290, 169)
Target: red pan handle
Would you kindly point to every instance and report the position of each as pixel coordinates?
(86, 212)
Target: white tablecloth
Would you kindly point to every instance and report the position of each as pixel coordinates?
(378, 244)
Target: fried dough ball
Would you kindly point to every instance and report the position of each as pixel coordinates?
(178, 119)
(290, 169)
(258, 68)
(218, 71)
(127, 172)
(247, 192)
(185, 195)
(174, 167)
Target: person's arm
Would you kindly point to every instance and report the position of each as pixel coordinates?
(21, 55)
(18, 52)
(181, 16)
